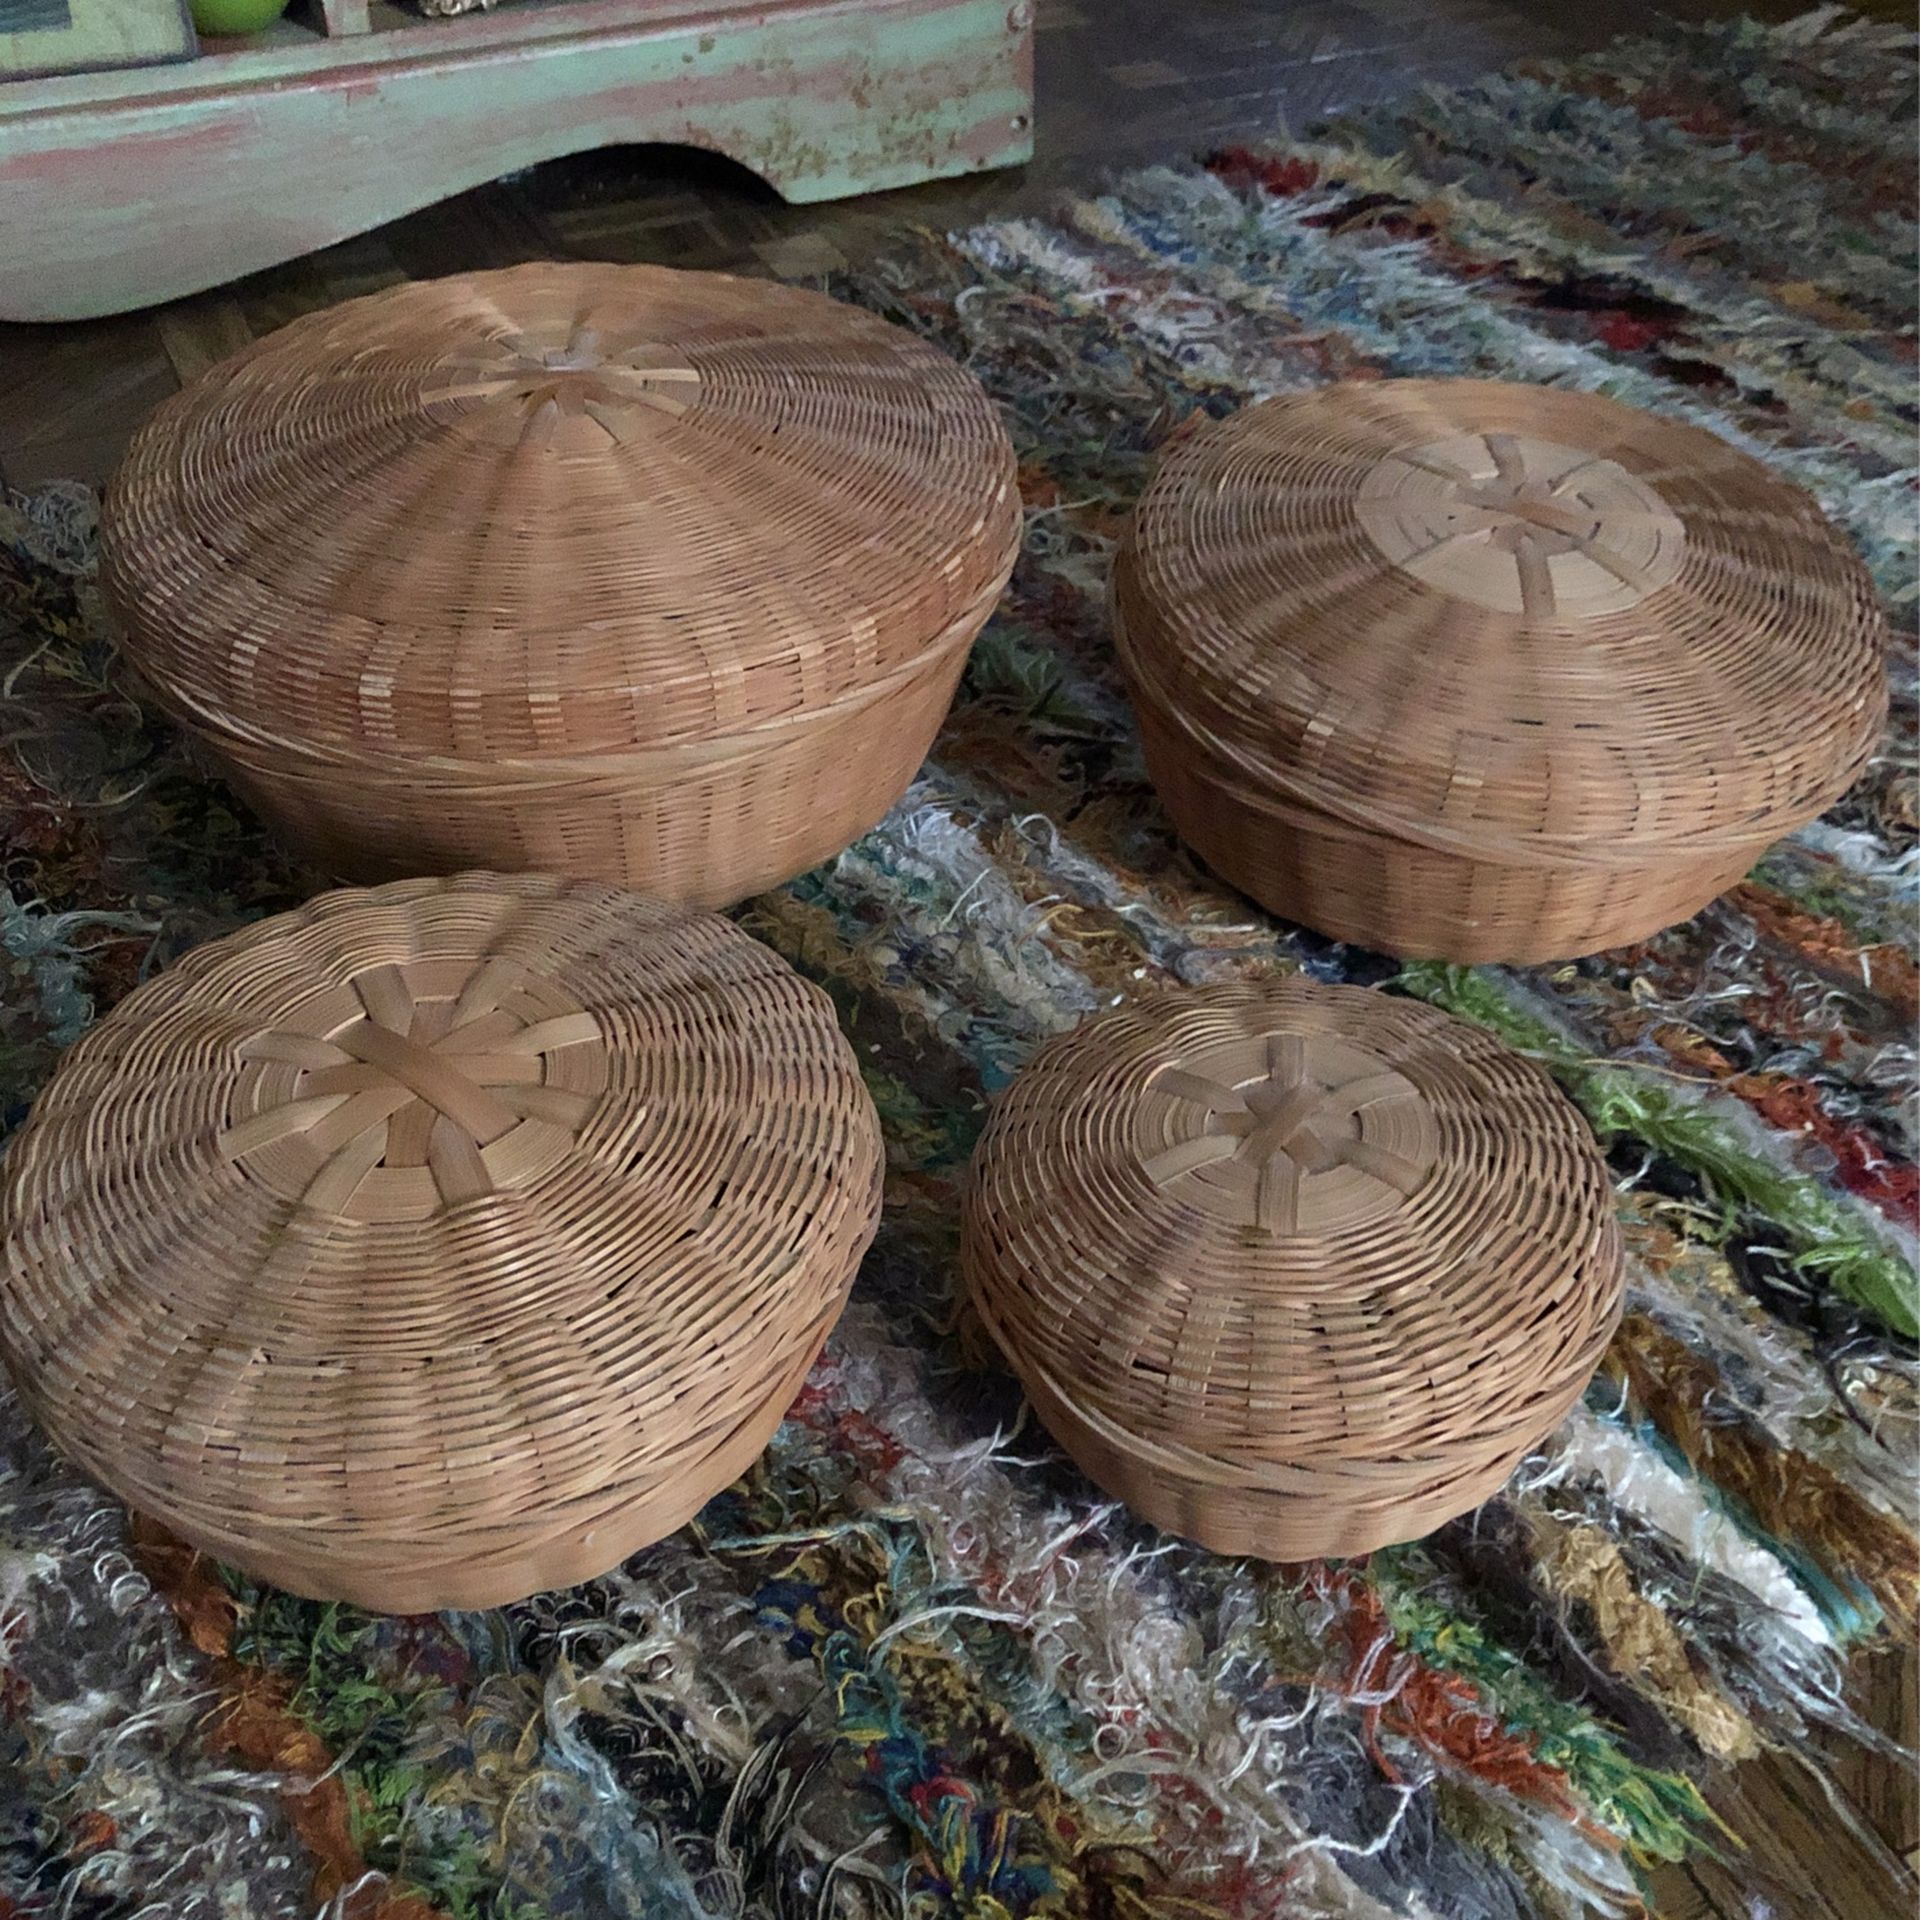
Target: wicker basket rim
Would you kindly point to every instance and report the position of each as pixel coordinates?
(1277, 789)
(493, 773)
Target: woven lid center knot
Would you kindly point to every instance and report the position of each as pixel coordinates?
(572, 390)
(415, 1086)
(1521, 525)
(1286, 1132)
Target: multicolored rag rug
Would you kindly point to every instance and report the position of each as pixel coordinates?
(913, 1664)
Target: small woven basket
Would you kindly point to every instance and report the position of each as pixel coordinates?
(1473, 671)
(1293, 1270)
(435, 1245)
(662, 578)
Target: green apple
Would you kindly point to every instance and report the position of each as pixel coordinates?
(236, 16)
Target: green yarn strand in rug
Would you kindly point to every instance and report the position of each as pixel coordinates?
(1620, 1099)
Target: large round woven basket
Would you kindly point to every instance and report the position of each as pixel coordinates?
(1291, 1269)
(1484, 672)
(663, 578)
(438, 1244)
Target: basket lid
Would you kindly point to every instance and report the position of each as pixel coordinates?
(1269, 1225)
(1503, 621)
(385, 1244)
(556, 509)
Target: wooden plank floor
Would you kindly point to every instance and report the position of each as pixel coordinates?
(1120, 83)
(1806, 1853)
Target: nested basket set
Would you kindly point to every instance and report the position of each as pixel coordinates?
(452, 1239)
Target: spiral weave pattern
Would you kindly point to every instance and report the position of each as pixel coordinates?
(1464, 669)
(1292, 1269)
(660, 577)
(433, 1245)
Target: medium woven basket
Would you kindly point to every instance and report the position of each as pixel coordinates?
(662, 578)
(438, 1244)
(1293, 1270)
(1473, 671)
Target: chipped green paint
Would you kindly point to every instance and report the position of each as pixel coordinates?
(122, 189)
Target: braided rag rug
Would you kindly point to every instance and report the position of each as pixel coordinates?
(913, 1664)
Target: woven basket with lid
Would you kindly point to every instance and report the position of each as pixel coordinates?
(1485, 672)
(664, 578)
(433, 1245)
(1291, 1269)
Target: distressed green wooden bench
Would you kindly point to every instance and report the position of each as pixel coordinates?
(125, 188)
